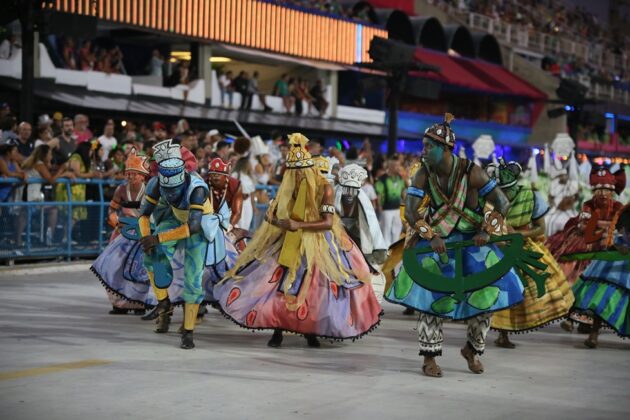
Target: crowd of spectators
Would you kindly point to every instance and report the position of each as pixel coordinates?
(554, 18)
(69, 148)
(334, 8)
(295, 92)
(85, 55)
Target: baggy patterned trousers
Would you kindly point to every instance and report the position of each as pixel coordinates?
(431, 338)
(184, 259)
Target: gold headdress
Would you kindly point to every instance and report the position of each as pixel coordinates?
(322, 164)
(298, 156)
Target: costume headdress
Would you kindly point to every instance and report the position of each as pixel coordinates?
(483, 148)
(298, 156)
(602, 178)
(137, 163)
(322, 164)
(506, 174)
(218, 166)
(442, 133)
(352, 176)
(171, 166)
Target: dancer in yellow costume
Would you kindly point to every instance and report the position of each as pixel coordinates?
(526, 216)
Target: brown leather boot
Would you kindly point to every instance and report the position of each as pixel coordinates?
(504, 341)
(431, 368)
(163, 322)
(474, 364)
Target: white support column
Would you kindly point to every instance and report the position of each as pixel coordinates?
(205, 68)
(334, 96)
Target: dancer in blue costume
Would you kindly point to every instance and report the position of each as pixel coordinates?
(177, 248)
(603, 290)
(454, 186)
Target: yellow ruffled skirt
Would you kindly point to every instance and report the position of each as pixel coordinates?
(536, 312)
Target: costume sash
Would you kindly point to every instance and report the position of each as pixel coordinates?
(290, 252)
(450, 212)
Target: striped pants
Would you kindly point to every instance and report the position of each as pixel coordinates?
(431, 338)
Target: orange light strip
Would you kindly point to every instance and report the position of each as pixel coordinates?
(250, 23)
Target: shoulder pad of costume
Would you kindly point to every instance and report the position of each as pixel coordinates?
(198, 195)
(153, 186)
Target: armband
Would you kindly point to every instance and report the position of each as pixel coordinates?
(487, 189)
(151, 199)
(112, 220)
(144, 223)
(493, 222)
(424, 230)
(180, 232)
(416, 192)
(326, 208)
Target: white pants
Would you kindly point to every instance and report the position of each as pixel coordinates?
(391, 225)
(247, 214)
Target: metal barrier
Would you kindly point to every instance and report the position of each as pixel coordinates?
(63, 229)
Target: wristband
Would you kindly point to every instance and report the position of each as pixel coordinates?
(424, 230)
(180, 232)
(493, 223)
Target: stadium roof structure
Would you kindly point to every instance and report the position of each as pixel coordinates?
(476, 75)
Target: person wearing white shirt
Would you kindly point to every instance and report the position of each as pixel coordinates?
(225, 85)
(7, 47)
(244, 173)
(107, 140)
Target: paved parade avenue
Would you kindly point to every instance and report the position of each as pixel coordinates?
(64, 357)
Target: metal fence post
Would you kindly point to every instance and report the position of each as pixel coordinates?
(69, 221)
(101, 207)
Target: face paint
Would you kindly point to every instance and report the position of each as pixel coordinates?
(432, 153)
(174, 195)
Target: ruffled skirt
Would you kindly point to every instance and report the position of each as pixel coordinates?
(496, 295)
(256, 299)
(535, 311)
(603, 290)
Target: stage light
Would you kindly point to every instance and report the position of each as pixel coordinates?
(219, 59)
(536, 150)
(609, 115)
(123, 123)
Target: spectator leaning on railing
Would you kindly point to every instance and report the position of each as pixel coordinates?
(39, 165)
(9, 168)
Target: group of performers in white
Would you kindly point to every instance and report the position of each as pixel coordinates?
(480, 245)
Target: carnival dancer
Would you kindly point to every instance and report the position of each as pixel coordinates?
(603, 290)
(301, 272)
(585, 232)
(526, 216)
(357, 214)
(359, 218)
(227, 197)
(454, 219)
(175, 250)
(120, 265)
(563, 194)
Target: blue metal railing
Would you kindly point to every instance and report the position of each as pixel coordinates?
(23, 235)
